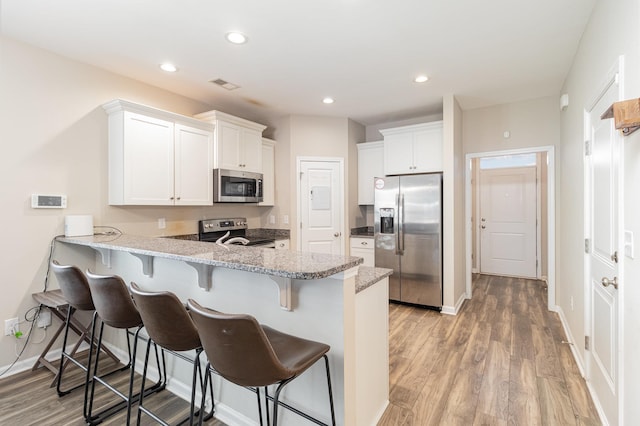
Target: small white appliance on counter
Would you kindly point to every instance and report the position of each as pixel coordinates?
(78, 225)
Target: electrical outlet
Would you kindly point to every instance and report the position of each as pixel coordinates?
(44, 318)
(285, 219)
(162, 223)
(11, 326)
(272, 219)
(571, 303)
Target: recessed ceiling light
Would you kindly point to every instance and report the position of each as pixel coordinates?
(236, 37)
(168, 67)
(421, 78)
(328, 100)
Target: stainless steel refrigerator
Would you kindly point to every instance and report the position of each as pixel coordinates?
(408, 236)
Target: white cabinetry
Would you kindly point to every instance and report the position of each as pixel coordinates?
(282, 244)
(157, 157)
(268, 172)
(370, 166)
(363, 247)
(413, 149)
(238, 142)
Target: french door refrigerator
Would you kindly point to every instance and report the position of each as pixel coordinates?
(408, 236)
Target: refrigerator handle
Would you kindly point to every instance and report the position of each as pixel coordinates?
(400, 234)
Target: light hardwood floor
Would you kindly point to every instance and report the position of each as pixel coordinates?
(501, 361)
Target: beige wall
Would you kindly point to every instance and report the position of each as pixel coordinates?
(453, 234)
(531, 123)
(54, 134)
(612, 31)
(313, 136)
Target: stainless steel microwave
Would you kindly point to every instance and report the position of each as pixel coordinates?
(232, 186)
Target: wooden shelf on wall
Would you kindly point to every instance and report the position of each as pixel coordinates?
(626, 115)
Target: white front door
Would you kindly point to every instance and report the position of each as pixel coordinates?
(602, 226)
(321, 206)
(508, 239)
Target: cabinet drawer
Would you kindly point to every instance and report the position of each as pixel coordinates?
(361, 243)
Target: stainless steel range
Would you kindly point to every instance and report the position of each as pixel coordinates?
(230, 231)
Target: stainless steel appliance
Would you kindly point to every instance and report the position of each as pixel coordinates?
(216, 230)
(232, 186)
(408, 236)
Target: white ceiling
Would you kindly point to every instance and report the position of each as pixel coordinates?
(364, 53)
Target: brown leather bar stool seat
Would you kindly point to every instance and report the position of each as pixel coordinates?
(170, 326)
(253, 355)
(75, 289)
(114, 307)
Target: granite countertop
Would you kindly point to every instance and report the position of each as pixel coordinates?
(283, 263)
(368, 276)
(362, 231)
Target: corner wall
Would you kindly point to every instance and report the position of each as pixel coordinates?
(54, 133)
(612, 31)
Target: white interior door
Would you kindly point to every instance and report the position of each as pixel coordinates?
(602, 231)
(321, 207)
(508, 239)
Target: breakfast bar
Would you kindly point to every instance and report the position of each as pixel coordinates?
(327, 298)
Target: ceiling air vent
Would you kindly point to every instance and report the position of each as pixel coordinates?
(223, 83)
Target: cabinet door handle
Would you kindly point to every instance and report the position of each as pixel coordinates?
(364, 243)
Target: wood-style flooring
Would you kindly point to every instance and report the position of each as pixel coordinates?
(27, 399)
(502, 360)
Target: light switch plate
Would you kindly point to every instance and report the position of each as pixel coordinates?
(628, 244)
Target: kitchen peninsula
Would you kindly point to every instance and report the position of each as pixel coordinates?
(322, 297)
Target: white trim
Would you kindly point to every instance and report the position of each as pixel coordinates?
(453, 310)
(551, 219)
(340, 161)
(538, 215)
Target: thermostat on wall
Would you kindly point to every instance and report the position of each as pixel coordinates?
(40, 201)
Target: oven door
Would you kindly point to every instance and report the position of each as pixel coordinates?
(232, 186)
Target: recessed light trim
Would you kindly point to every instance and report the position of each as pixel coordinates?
(328, 100)
(236, 37)
(421, 78)
(168, 67)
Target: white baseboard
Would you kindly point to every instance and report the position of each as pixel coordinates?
(453, 310)
(580, 361)
(571, 341)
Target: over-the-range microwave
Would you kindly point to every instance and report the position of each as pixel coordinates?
(232, 186)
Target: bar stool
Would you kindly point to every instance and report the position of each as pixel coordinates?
(115, 308)
(170, 326)
(75, 289)
(253, 355)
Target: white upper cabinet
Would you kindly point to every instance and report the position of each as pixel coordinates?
(370, 166)
(268, 172)
(193, 166)
(157, 157)
(238, 142)
(413, 149)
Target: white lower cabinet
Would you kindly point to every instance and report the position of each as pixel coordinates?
(282, 244)
(157, 157)
(363, 247)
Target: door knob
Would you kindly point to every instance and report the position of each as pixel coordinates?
(483, 227)
(337, 234)
(606, 282)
